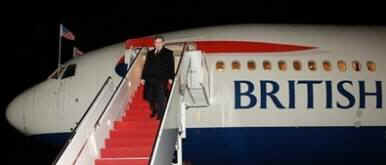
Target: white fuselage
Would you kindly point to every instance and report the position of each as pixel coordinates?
(54, 106)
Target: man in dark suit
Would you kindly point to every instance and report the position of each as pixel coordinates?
(158, 71)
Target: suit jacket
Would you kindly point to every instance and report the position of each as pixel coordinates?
(160, 67)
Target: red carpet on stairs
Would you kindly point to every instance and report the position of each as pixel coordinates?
(131, 140)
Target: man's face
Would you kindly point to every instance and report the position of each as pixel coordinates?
(158, 43)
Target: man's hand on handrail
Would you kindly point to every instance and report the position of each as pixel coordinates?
(170, 81)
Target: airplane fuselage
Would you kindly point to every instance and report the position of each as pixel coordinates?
(290, 93)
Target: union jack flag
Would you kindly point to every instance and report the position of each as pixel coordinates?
(66, 33)
(77, 52)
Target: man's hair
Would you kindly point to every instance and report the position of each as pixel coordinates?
(159, 37)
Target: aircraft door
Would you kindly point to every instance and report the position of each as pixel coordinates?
(65, 100)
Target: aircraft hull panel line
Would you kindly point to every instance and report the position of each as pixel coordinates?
(132, 139)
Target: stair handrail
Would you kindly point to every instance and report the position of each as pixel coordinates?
(108, 79)
(91, 105)
(202, 88)
(162, 117)
(116, 89)
(209, 80)
(206, 96)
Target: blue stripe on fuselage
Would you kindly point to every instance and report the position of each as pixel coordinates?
(277, 145)
(56, 139)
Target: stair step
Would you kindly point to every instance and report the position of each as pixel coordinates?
(117, 152)
(139, 115)
(129, 142)
(144, 124)
(138, 112)
(141, 140)
(139, 109)
(121, 161)
(133, 134)
(139, 104)
(138, 129)
(131, 124)
(134, 131)
(132, 138)
(137, 118)
(138, 97)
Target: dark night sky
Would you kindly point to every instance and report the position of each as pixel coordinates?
(32, 38)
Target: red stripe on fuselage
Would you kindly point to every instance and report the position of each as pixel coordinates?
(226, 46)
(140, 42)
(246, 47)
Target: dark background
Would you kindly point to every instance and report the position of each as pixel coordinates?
(31, 39)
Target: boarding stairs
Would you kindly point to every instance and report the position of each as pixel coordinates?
(132, 138)
(117, 128)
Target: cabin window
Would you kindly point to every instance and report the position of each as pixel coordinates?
(236, 65)
(70, 71)
(327, 66)
(312, 65)
(282, 66)
(220, 66)
(371, 66)
(251, 65)
(266, 65)
(356, 66)
(297, 65)
(342, 66)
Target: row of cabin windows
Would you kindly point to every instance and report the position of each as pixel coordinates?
(297, 65)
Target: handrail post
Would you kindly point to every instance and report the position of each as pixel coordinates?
(183, 120)
(204, 91)
(179, 150)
